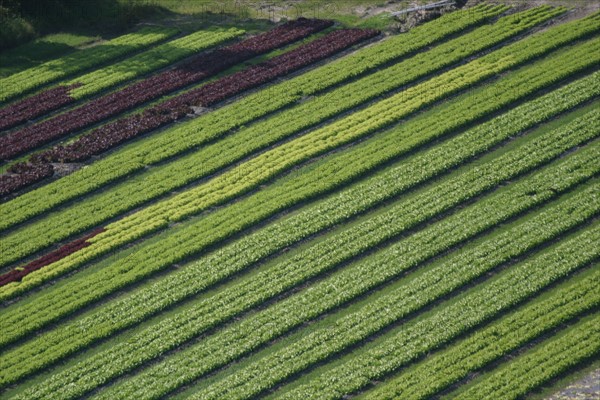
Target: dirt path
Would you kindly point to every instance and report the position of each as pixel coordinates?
(586, 388)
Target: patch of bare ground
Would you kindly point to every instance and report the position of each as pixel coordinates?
(586, 388)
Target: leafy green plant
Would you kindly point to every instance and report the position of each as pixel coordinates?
(280, 159)
(160, 181)
(192, 237)
(403, 344)
(445, 323)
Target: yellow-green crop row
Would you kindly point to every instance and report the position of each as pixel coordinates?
(195, 236)
(209, 160)
(269, 164)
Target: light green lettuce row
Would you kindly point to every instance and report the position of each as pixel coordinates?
(162, 180)
(342, 287)
(148, 61)
(448, 367)
(269, 164)
(76, 294)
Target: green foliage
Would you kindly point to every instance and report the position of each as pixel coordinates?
(449, 321)
(488, 345)
(546, 361)
(364, 319)
(320, 257)
(216, 124)
(76, 16)
(148, 61)
(402, 265)
(41, 50)
(13, 29)
(162, 180)
(184, 242)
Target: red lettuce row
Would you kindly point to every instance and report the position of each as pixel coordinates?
(35, 106)
(110, 135)
(24, 174)
(201, 67)
(18, 273)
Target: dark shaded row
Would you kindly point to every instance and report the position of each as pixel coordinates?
(24, 174)
(35, 106)
(69, 248)
(114, 133)
(201, 67)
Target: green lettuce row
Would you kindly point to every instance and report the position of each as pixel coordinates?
(448, 367)
(80, 60)
(198, 134)
(541, 364)
(322, 341)
(148, 61)
(267, 165)
(416, 338)
(342, 287)
(71, 297)
(254, 106)
(160, 181)
(353, 200)
(46, 349)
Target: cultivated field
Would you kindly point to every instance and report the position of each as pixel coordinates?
(306, 212)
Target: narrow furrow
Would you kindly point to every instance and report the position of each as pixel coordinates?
(258, 329)
(544, 362)
(489, 345)
(75, 297)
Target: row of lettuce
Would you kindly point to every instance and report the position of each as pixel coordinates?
(351, 202)
(507, 122)
(114, 133)
(159, 181)
(155, 149)
(570, 184)
(368, 316)
(111, 75)
(159, 215)
(444, 323)
(78, 61)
